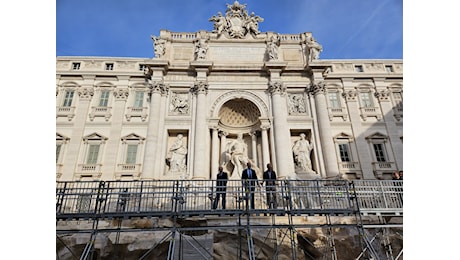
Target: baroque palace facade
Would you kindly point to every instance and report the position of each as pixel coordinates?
(223, 98)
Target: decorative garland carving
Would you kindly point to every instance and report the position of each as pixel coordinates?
(383, 95)
(86, 93)
(121, 93)
(350, 95)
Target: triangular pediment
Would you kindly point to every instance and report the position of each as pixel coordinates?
(343, 135)
(60, 137)
(95, 136)
(132, 136)
(377, 135)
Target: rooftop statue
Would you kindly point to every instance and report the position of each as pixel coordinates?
(236, 22)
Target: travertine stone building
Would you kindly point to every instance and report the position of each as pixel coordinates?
(225, 97)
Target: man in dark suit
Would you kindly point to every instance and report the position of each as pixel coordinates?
(221, 187)
(249, 178)
(270, 186)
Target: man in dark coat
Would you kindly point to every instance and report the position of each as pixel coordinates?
(249, 178)
(221, 188)
(270, 186)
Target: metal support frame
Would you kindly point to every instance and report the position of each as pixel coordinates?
(187, 199)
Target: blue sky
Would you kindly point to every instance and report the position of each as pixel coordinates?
(347, 29)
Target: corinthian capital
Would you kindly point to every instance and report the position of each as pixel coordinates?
(159, 87)
(317, 88)
(200, 87)
(276, 87)
(86, 93)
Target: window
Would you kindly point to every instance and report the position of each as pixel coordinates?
(76, 65)
(379, 152)
(104, 98)
(61, 142)
(359, 68)
(366, 99)
(68, 98)
(58, 151)
(334, 99)
(109, 66)
(93, 153)
(142, 67)
(389, 68)
(139, 99)
(131, 154)
(344, 151)
(397, 97)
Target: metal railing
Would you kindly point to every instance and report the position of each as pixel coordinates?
(184, 198)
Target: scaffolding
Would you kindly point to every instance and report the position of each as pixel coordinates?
(186, 206)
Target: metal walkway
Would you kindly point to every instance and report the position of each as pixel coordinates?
(177, 200)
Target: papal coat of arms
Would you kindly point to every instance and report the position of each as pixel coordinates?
(236, 22)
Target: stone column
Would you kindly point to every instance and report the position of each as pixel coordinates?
(223, 145)
(253, 135)
(154, 80)
(201, 128)
(330, 161)
(151, 141)
(201, 166)
(265, 146)
(282, 134)
(215, 150)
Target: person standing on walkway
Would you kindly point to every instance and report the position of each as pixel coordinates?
(249, 178)
(270, 186)
(221, 187)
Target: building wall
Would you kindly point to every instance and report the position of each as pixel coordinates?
(235, 88)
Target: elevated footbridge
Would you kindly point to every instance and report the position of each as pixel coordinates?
(192, 200)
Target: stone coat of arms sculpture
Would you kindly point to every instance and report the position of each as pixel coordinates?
(236, 22)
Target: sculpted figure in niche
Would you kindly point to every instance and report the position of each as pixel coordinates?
(272, 47)
(238, 152)
(201, 48)
(177, 155)
(302, 149)
(314, 48)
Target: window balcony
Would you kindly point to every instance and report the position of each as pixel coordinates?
(370, 112)
(349, 166)
(68, 112)
(128, 170)
(337, 112)
(89, 170)
(136, 112)
(383, 167)
(100, 112)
